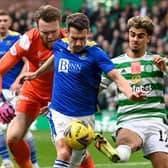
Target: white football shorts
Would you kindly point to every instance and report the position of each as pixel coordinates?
(153, 132)
(58, 122)
(10, 96)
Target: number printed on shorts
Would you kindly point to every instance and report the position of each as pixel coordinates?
(163, 136)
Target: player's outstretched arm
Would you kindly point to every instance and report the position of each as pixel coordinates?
(6, 63)
(124, 86)
(46, 67)
(16, 85)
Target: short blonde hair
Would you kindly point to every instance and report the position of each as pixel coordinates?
(143, 22)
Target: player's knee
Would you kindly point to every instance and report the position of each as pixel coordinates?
(134, 144)
(63, 150)
(63, 154)
(13, 138)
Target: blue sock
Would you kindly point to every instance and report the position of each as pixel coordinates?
(3, 147)
(30, 140)
(60, 164)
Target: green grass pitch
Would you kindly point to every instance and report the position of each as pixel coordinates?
(47, 154)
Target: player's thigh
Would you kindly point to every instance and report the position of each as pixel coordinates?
(128, 137)
(29, 105)
(159, 159)
(18, 127)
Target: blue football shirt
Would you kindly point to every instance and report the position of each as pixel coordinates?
(5, 45)
(77, 78)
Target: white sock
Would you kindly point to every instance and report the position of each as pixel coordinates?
(124, 152)
(76, 158)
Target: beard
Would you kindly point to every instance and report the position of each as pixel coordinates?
(135, 50)
(47, 45)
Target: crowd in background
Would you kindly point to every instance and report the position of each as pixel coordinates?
(110, 30)
(108, 27)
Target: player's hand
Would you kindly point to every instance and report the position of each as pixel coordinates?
(7, 113)
(138, 96)
(15, 87)
(27, 76)
(160, 63)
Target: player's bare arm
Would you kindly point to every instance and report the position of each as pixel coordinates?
(6, 110)
(16, 86)
(44, 68)
(124, 86)
(6, 63)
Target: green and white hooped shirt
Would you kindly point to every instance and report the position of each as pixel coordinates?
(142, 74)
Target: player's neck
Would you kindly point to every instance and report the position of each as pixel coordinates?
(135, 54)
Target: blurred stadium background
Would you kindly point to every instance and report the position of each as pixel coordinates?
(108, 27)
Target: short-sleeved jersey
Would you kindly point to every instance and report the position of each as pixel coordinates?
(142, 74)
(5, 45)
(77, 77)
(30, 46)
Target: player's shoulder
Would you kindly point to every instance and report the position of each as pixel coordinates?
(66, 41)
(13, 33)
(33, 33)
(63, 43)
(120, 58)
(150, 54)
(29, 38)
(93, 48)
(91, 44)
(63, 40)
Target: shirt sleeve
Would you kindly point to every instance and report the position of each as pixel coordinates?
(21, 47)
(6, 63)
(103, 60)
(15, 54)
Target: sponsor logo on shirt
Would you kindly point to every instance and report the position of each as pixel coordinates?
(66, 66)
(147, 88)
(148, 68)
(136, 72)
(83, 56)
